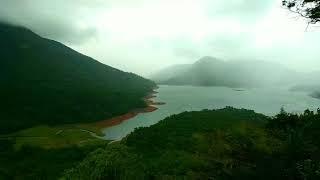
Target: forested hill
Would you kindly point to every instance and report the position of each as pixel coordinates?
(45, 82)
(213, 144)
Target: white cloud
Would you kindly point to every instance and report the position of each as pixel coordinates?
(145, 35)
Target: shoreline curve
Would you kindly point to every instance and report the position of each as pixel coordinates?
(127, 116)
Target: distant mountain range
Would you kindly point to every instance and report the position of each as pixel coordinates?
(312, 88)
(210, 71)
(45, 82)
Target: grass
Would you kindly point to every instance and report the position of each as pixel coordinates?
(57, 136)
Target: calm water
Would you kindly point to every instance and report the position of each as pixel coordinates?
(186, 98)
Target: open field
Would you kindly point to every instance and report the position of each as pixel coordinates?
(57, 136)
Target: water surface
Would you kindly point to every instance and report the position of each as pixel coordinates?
(189, 98)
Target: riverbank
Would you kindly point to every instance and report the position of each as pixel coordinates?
(119, 119)
(80, 134)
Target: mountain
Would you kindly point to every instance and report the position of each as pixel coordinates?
(309, 84)
(169, 72)
(210, 71)
(316, 94)
(45, 82)
(306, 87)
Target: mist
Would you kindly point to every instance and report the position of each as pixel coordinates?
(146, 36)
(211, 71)
(159, 89)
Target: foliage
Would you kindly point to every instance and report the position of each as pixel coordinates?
(306, 8)
(44, 82)
(36, 163)
(53, 137)
(300, 134)
(109, 163)
(213, 144)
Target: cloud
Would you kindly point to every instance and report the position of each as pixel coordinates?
(59, 20)
(142, 36)
(246, 11)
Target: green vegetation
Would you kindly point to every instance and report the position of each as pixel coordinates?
(55, 137)
(44, 82)
(44, 152)
(212, 144)
(29, 162)
(50, 95)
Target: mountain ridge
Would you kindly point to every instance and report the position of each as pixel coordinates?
(209, 71)
(46, 82)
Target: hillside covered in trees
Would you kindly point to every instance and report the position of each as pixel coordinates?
(45, 82)
(212, 144)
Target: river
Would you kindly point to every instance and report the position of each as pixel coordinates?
(189, 98)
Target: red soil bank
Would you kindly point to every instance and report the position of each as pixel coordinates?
(119, 119)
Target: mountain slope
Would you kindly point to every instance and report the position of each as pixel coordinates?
(44, 82)
(169, 72)
(209, 71)
(219, 144)
(309, 84)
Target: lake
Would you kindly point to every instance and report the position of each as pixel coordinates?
(189, 98)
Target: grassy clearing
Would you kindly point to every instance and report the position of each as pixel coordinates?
(57, 136)
(44, 152)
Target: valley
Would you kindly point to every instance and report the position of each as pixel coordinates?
(159, 90)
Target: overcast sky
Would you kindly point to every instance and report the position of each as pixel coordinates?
(142, 36)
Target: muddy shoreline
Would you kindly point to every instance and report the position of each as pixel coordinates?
(119, 119)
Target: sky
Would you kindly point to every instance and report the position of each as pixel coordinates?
(143, 36)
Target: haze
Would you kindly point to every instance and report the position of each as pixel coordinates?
(143, 36)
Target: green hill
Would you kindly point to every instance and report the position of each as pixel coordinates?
(44, 82)
(212, 144)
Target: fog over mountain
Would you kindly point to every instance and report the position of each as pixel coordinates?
(210, 71)
(144, 36)
(160, 89)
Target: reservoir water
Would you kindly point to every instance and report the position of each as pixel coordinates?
(189, 98)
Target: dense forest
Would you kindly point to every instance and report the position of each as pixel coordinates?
(212, 144)
(44, 82)
(31, 162)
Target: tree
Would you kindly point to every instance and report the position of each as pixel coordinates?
(309, 9)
